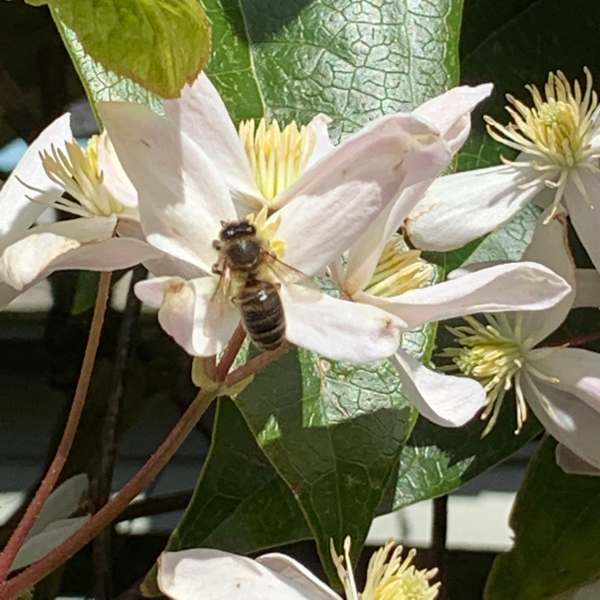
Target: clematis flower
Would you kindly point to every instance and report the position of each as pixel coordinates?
(56, 172)
(559, 144)
(184, 203)
(213, 574)
(561, 385)
(380, 270)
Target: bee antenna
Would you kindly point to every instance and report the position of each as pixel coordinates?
(223, 223)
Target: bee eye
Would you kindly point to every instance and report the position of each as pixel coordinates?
(251, 229)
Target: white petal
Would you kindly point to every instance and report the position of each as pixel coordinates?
(506, 287)
(570, 421)
(201, 115)
(585, 213)
(182, 198)
(445, 400)
(183, 311)
(8, 294)
(550, 247)
(215, 575)
(323, 144)
(17, 212)
(587, 288)
(291, 570)
(113, 175)
(338, 329)
(461, 207)
(590, 591)
(392, 152)
(450, 112)
(572, 464)
(577, 370)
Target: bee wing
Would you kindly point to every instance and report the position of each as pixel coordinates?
(216, 306)
(283, 272)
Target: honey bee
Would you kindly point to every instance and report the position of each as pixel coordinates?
(242, 265)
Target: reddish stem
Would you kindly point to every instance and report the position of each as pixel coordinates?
(233, 347)
(47, 485)
(256, 364)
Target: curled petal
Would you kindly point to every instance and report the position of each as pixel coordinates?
(501, 288)
(214, 575)
(338, 329)
(445, 400)
(572, 464)
(461, 207)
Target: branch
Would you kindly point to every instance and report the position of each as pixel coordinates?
(156, 505)
(33, 510)
(439, 536)
(233, 347)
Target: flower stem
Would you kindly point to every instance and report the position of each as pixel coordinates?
(256, 364)
(47, 485)
(233, 347)
(13, 587)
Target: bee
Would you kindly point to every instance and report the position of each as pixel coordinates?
(242, 265)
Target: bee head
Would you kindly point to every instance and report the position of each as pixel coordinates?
(239, 229)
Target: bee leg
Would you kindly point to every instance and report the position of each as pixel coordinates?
(216, 269)
(216, 244)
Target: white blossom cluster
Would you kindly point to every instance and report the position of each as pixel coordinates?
(161, 189)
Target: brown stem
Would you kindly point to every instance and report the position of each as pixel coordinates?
(30, 576)
(439, 536)
(233, 347)
(33, 510)
(102, 482)
(256, 364)
(579, 340)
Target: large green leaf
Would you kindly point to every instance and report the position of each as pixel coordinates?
(556, 521)
(160, 44)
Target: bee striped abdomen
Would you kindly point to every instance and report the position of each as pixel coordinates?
(262, 313)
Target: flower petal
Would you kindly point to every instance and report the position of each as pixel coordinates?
(323, 144)
(570, 421)
(450, 112)
(461, 207)
(501, 288)
(587, 288)
(585, 213)
(445, 400)
(183, 311)
(182, 198)
(577, 371)
(572, 464)
(17, 212)
(114, 178)
(550, 247)
(215, 575)
(338, 329)
(201, 115)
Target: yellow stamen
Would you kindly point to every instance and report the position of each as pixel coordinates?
(77, 171)
(266, 232)
(277, 157)
(399, 270)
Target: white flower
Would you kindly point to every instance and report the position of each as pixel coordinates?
(213, 574)
(185, 177)
(559, 144)
(89, 183)
(561, 385)
(379, 270)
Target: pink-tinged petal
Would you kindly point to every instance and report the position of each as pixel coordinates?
(569, 420)
(182, 197)
(323, 144)
(461, 207)
(201, 115)
(292, 571)
(450, 112)
(114, 178)
(577, 372)
(338, 329)
(585, 213)
(550, 247)
(183, 308)
(17, 212)
(316, 232)
(393, 152)
(587, 288)
(502, 288)
(572, 464)
(215, 575)
(445, 400)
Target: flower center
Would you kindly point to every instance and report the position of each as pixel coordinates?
(492, 354)
(77, 171)
(399, 270)
(392, 577)
(277, 157)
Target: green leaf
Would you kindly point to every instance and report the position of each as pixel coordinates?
(556, 521)
(160, 44)
(240, 503)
